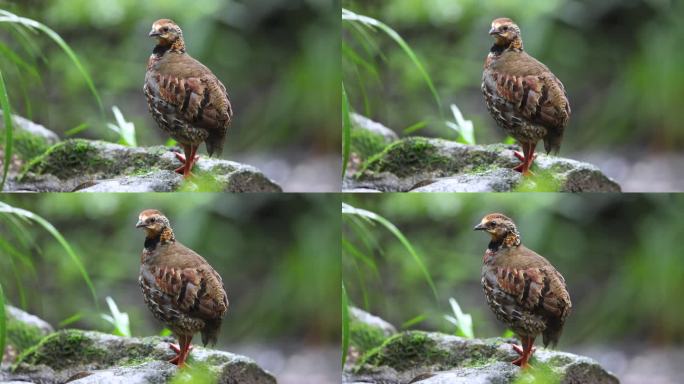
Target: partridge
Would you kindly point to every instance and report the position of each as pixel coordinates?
(523, 96)
(522, 288)
(184, 97)
(179, 286)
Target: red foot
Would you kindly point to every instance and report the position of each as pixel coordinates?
(181, 356)
(517, 154)
(186, 168)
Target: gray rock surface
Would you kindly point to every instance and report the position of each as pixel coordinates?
(436, 358)
(22, 125)
(93, 357)
(361, 316)
(77, 356)
(436, 165)
(362, 122)
(28, 320)
(97, 166)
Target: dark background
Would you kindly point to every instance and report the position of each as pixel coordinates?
(620, 255)
(279, 60)
(278, 256)
(620, 61)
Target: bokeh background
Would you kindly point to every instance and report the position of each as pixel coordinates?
(620, 255)
(278, 256)
(279, 60)
(619, 61)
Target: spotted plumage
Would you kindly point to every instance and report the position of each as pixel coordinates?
(523, 96)
(185, 98)
(522, 288)
(179, 286)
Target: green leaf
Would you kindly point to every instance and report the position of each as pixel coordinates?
(370, 22)
(6, 208)
(70, 320)
(345, 324)
(346, 131)
(9, 131)
(3, 323)
(368, 215)
(411, 322)
(463, 127)
(79, 128)
(8, 17)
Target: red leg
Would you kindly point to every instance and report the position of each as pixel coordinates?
(183, 350)
(529, 158)
(528, 350)
(522, 157)
(190, 162)
(183, 158)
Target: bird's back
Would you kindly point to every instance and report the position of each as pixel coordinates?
(188, 101)
(526, 98)
(183, 290)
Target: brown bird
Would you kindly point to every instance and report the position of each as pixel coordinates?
(179, 286)
(522, 95)
(185, 98)
(522, 288)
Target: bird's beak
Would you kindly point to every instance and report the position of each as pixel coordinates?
(492, 31)
(479, 227)
(140, 224)
(154, 33)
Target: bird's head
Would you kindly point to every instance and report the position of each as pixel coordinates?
(153, 222)
(498, 226)
(505, 31)
(166, 32)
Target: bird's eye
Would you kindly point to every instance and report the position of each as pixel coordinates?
(165, 29)
(504, 28)
(152, 220)
(492, 223)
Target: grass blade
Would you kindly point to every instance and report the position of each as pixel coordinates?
(3, 323)
(345, 324)
(6, 208)
(8, 17)
(349, 210)
(348, 15)
(346, 131)
(7, 117)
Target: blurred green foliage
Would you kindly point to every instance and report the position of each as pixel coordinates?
(279, 60)
(278, 256)
(619, 61)
(620, 255)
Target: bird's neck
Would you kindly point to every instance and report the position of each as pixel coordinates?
(515, 45)
(510, 240)
(160, 50)
(165, 236)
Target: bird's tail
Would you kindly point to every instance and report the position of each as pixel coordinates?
(210, 332)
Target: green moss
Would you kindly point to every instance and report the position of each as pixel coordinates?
(541, 181)
(365, 143)
(407, 157)
(26, 145)
(364, 337)
(22, 335)
(63, 349)
(405, 351)
(67, 159)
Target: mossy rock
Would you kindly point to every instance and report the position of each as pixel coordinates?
(97, 357)
(435, 165)
(27, 145)
(97, 166)
(365, 143)
(76, 157)
(23, 329)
